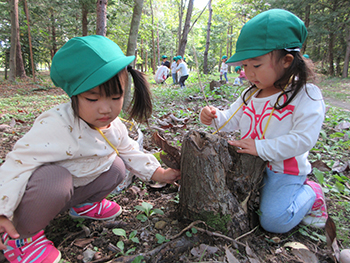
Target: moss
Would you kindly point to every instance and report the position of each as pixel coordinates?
(214, 220)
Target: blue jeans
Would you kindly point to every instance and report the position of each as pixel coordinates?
(225, 75)
(284, 201)
(174, 78)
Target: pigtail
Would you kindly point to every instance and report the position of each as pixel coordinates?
(142, 101)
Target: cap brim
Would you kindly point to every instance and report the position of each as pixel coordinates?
(236, 59)
(103, 74)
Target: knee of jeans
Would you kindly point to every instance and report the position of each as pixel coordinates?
(275, 223)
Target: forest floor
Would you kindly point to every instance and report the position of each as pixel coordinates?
(165, 237)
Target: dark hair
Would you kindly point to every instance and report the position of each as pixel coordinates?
(140, 108)
(299, 72)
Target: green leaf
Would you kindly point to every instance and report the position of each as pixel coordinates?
(130, 250)
(142, 217)
(138, 259)
(141, 208)
(135, 240)
(119, 232)
(158, 211)
(194, 230)
(132, 234)
(120, 245)
(319, 175)
(188, 233)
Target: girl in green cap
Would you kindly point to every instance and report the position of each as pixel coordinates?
(76, 153)
(224, 68)
(280, 116)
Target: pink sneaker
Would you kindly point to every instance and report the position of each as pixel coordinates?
(35, 249)
(99, 210)
(318, 214)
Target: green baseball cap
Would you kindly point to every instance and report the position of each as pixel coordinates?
(306, 56)
(223, 57)
(237, 68)
(268, 31)
(164, 56)
(84, 63)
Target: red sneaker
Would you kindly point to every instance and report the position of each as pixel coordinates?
(99, 211)
(318, 216)
(34, 249)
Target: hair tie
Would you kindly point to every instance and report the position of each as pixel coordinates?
(129, 68)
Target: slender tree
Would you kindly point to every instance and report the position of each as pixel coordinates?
(132, 43)
(207, 43)
(14, 34)
(186, 29)
(101, 17)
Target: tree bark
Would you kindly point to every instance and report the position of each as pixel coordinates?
(153, 59)
(101, 17)
(20, 71)
(29, 39)
(186, 29)
(53, 35)
(84, 20)
(205, 62)
(219, 185)
(14, 30)
(132, 44)
(347, 57)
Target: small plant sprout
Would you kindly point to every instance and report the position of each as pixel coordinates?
(132, 236)
(193, 231)
(161, 239)
(148, 211)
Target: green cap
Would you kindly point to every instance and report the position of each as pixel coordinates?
(306, 56)
(223, 57)
(179, 57)
(84, 63)
(164, 56)
(237, 68)
(268, 31)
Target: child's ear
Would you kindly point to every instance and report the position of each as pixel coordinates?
(287, 60)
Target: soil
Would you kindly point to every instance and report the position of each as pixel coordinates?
(78, 239)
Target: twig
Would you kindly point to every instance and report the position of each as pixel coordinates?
(202, 87)
(186, 228)
(209, 233)
(246, 234)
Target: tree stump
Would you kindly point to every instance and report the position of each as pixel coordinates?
(219, 185)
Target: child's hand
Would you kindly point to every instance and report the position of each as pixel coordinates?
(168, 176)
(246, 146)
(208, 114)
(7, 226)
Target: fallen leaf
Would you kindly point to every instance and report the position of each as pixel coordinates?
(295, 245)
(82, 242)
(203, 249)
(344, 125)
(230, 257)
(173, 158)
(305, 255)
(252, 257)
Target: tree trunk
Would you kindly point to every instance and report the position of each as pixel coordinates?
(84, 20)
(153, 59)
(101, 17)
(14, 30)
(20, 71)
(219, 185)
(53, 36)
(331, 54)
(132, 44)
(141, 55)
(183, 42)
(181, 13)
(347, 57)
(307, 23)
(29, 39)
(205, 63)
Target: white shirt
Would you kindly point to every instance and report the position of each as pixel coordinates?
(182, 67)
(173, 67)
(58, 138)
(161, 74)
(290, 134)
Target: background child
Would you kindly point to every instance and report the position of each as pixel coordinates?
(161, 74)
(241, 77)
(173, 70)
(76, 153)
(182, 68)
(224, 68)
(280, 119)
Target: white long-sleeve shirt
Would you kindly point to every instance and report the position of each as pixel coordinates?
(161, 74)
(290, 134)
(58, 138)
(182, 68)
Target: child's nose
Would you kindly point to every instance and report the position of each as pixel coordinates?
(105, 108)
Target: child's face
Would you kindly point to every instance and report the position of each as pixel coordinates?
(264, 71)
(98, 110)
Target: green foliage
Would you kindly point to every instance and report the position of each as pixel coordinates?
(161, 239)
(193, 231)
(121, 245)
(146, 208)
